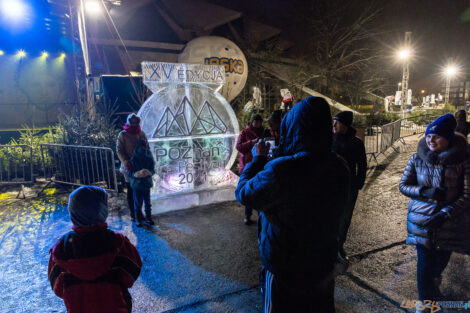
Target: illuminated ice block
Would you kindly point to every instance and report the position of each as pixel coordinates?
(192, 132)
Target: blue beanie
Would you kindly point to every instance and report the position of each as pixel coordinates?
(88, 206)
(443, 126)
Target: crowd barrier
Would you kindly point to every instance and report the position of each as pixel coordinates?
(79, 165)
(378, 139)
(16, 164)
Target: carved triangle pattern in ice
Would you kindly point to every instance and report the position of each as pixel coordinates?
(206, 122)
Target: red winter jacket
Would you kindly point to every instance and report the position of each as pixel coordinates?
(92, 268)
(244, 145)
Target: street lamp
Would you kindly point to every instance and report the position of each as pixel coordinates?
(404, 55)
(13, 8)
(93, 7)
(449, 72)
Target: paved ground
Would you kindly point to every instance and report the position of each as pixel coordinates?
(206, 260)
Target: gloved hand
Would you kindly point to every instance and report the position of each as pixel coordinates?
(436, 220)
(436, 193)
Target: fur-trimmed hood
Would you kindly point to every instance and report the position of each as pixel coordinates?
(455, 154)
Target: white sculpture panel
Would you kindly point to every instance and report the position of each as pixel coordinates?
(192, 129)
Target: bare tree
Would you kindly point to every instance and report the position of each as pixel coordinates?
(341, 40)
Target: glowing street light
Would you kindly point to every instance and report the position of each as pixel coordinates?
(93, 7)
(2, 52)
(63, 55)
(44, 54)
(13, 8)
(21, 54)
(404, 54)
(450, 71)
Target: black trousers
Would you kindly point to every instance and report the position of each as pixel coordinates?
(431, 264)
(346, 220)
(296, 292)
(130, 199)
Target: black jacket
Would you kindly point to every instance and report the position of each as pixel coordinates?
(450, 170)
(352, 149)
(301, 193)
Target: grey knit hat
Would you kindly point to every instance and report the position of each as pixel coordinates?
(88, 206)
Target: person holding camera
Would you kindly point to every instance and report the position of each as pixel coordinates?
(300, 195)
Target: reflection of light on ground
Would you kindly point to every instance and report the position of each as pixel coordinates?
(49, 191)
(5, 195)
(30, 227)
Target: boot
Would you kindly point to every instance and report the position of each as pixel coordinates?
(148, 218)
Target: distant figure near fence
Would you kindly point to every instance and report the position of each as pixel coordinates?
(125, 146)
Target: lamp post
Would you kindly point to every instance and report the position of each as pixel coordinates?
(404, 55)
(450, 71)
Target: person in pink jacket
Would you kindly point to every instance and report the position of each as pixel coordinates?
(246, 141)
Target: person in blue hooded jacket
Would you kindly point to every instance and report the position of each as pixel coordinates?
(301, 194)
(142, 167)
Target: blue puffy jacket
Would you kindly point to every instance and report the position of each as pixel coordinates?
(301, 193)
(141, 159)
(450, 170)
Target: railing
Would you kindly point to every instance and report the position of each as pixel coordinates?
(415, 125)
(390, 134)
(79, 165)
(379, 139)
(372, 139)
(16, 164)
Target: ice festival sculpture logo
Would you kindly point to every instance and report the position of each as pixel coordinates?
(192, 130)
(206, 122)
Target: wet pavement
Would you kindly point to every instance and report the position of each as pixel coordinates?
(206, 260)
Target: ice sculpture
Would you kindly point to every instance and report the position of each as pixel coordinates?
(192, 132)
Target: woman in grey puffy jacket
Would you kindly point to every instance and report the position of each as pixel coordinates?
(437, 179)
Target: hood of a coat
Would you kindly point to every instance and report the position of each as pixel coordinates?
(455, 154)
(307, 127)
(87, 268)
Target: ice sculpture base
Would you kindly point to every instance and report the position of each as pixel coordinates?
(193, 199)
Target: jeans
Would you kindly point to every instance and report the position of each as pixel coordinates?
(345, 222)
(130, 199)
(431, 264)
(141, 197)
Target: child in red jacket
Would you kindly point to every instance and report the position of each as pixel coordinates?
(92, 267)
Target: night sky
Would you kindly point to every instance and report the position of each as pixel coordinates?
(440, 31)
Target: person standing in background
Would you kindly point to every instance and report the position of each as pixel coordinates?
(125, 146)
(350, 148)
(246, 140)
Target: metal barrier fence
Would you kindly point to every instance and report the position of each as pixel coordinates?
(415, 125)
(79, 165)
(372, 139)
(16, 164)
(390, 134)
(378, 139)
